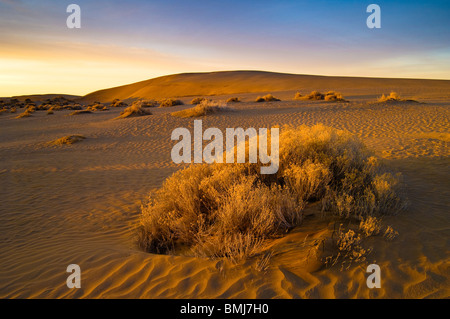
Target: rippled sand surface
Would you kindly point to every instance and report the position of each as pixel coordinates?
(79, 204)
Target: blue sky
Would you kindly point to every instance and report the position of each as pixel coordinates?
(127, 41)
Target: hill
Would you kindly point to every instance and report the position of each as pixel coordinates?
(236, 82)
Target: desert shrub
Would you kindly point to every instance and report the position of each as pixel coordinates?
(373, 226)
(95, 107)
(334, 96)
(298, 96)
(309, 179)
(219, 210)
(13, 110)
(133, 110)
(348, 248)
(233, 100)
(31, 108)
(370, 226)
(393, 97)
(315, 95)
(145, 103)
(66, 140)
(231, 210)
(27, 113)
(266, 98)
(204, 108)
(198, 100)
(170, 102)
(118, 103)
(81, 112)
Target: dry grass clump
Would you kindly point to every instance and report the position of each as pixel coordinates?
(298, 96)
(118, 103)
(347, 245)
(266, 98)
(55, 104)
(67, 140)
(96, 106)
(27, 113)
(231, 210)
(132, 111)
(314, 95)
(220, 210)
(170, 102)
(334, 97)
(204, 108)
(393, 97)
(331, 166)
(233, 100)
(145, 103)
(198, 100)
(78, 112)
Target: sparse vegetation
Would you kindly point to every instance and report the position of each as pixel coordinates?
(145, 103)
(66, 140)
(27, 113)
(80, 112)
(393, 97)
(314, 95)
(118, 103)
(233, 100)
(170, 102)
(266, 98)
(230, 210)
(298, 96)
(133, 110)
(96, 106)
(198, 100)
(204, 108)
(347, 245)
(333, 96)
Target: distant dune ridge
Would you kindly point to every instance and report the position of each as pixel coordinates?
(235, 82)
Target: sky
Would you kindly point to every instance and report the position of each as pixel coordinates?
(122, 42)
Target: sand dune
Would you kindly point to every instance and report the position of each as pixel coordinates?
(80, 204)
(42, 97)
(236, 82)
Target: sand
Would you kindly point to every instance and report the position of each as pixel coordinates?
(236, 82)
(80, 204)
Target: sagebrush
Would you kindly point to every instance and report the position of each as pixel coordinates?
(231, 210)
